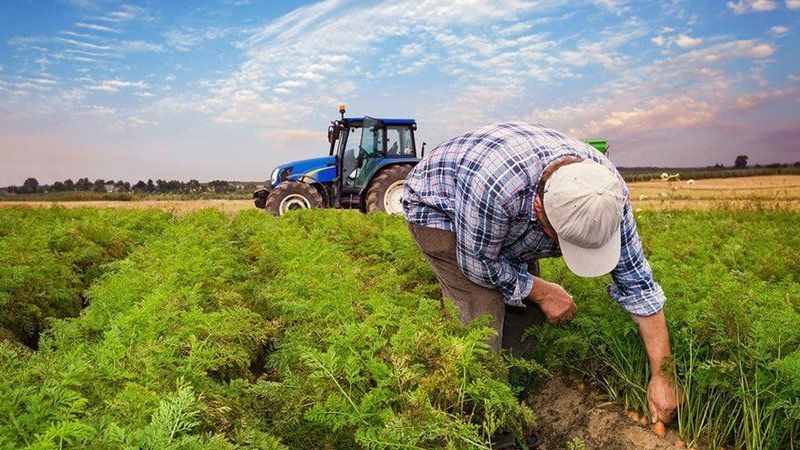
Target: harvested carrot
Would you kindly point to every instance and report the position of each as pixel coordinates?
(633, 415)
(658, 429)
(680, 443)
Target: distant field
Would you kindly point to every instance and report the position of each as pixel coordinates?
(768, 192)
(764, 192)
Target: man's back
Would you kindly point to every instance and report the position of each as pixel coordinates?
(500, 163)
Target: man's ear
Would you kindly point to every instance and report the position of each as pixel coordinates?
(538, 207)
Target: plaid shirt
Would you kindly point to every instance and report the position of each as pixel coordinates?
(481, 186)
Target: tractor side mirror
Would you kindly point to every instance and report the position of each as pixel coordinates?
(330, 134)
(359, 161)
(422, 150)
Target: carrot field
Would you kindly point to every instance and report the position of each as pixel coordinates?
(325, 329)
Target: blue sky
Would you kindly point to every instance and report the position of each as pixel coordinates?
(227, 89)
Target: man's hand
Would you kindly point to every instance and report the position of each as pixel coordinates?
(557, 305)
(662, 398)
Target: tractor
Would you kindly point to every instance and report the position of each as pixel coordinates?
(366, 168)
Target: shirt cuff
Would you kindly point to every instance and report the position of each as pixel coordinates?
(522, 288)
(640, 303)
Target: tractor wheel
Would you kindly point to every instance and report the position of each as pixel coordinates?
(386, 190)
(291, 195)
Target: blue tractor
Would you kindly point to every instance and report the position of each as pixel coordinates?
(365, 169)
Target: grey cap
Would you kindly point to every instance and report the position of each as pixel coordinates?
(584, 203)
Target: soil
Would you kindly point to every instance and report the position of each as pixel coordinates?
(563, 413)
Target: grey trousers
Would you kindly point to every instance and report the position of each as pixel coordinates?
(473, 300)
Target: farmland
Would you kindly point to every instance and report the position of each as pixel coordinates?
(764, 192)
(325, 329)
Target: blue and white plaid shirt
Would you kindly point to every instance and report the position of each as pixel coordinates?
(481, 186)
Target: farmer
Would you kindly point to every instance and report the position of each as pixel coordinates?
(485, 206)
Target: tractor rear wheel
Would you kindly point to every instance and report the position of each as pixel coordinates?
(291, 195)
(386, 190)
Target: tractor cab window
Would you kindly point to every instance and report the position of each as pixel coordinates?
(372, 139)
(351, 152)
(398, 142)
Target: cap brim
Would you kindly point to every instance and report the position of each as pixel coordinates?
(592, 262)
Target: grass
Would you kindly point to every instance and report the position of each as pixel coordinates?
(325, 329)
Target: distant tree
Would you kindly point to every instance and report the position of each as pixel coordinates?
(119, 186)
(150, 186)
(741, 162)
(127, 186)
(218, 186)
(30, 186)
(83, 184)
(140, 186)
(99, 185)
(12, 189)
(68, 185)
(193, 186)
(161, 185)
(797, 164)
(57, 187)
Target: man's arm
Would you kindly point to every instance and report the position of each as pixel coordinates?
(635, 290)
(662, 393)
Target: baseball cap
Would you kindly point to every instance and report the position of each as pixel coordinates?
(584, 202)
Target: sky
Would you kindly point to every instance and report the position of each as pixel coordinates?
(227, 89)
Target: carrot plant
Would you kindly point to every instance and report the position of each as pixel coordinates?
(255, 333)
(733, 285)
(48, 257)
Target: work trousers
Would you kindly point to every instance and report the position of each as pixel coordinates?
(473, 300)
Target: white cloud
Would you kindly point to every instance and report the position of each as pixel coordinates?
(84, 44)
(748, 6)
(659, 40)
(95, 27)
(742, 49)
(778, 30)
(187, 38)
(116, 85)
(140, 46)
(793, 4)
(123, 14)
(686, 41)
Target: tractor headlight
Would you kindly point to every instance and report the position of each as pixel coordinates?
(274, 175)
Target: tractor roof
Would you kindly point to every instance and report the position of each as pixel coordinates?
(358, 120)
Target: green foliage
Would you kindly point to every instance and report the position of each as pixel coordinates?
(733, 285)
(325, 329)
(222, 334)
(48, 257)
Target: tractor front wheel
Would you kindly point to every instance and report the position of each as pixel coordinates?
(291, 195)
(386, 190)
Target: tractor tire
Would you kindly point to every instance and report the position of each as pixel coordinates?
(291, 195)
(385, 192)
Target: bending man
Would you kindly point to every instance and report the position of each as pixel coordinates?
(485, 206)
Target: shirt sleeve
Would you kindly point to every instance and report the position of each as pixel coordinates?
(634, 288)
(481, 223)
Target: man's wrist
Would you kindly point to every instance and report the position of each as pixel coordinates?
(539, 286)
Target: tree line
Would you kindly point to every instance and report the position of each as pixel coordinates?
(32, 186)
